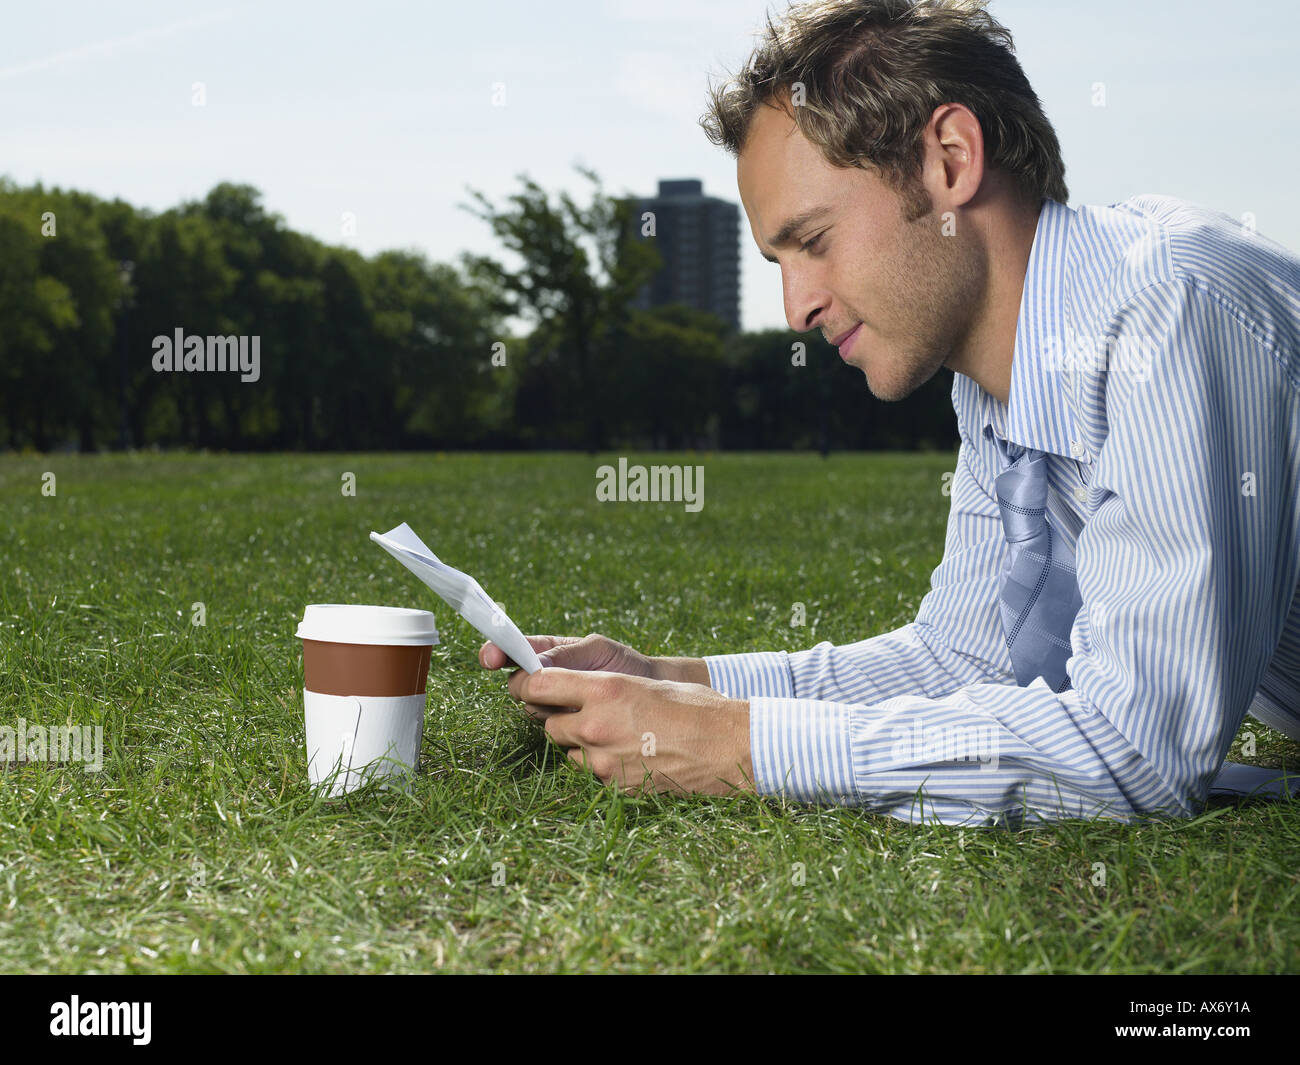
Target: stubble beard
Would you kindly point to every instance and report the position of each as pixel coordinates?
(937, 283)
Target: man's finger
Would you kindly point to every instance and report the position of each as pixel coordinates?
(490, 656)
(600, 766)
(563, 729)
(541, 713)
(555, 686)
(580, 758)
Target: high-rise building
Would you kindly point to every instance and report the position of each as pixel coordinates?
(698, 238)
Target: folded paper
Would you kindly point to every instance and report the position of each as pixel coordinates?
(461, 592)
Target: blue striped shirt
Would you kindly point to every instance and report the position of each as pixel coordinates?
(1155, 363)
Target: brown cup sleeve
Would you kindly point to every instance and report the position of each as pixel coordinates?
(364, 668)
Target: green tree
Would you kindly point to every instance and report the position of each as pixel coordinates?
(578, 275)
(182, 281)
(674, 376)
(85, 390)
(439, 330)
(39, 312)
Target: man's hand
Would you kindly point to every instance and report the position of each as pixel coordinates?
(644, 734)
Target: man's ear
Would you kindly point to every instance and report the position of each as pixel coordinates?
(954, 163)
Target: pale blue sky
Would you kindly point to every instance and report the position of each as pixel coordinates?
(385, 110)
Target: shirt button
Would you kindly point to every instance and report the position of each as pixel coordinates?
(1076, 449)
(1080, 493)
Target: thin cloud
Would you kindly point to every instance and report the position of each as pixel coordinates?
(107, 48)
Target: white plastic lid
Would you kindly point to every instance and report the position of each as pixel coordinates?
(344, 623)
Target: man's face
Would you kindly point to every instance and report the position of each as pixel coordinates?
(910, 291)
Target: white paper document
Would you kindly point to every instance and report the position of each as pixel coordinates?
(461, 592)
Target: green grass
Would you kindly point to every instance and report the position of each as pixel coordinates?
(199, 847)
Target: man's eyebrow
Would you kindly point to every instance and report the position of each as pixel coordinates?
(785, 235)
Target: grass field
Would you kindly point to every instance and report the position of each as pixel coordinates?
(199, 847)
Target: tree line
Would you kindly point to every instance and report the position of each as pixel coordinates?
(393, 351)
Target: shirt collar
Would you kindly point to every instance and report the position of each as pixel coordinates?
(1035, 415)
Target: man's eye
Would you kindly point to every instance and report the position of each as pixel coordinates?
(814, 244)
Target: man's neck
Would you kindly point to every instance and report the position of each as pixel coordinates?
(987, 353)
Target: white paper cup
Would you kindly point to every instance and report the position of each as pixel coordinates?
(365, 670)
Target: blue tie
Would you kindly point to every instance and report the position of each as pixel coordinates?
(1039, 593)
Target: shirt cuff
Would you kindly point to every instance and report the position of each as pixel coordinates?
(802, 749)
(743, 676)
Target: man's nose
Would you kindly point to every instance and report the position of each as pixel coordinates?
(805, 302)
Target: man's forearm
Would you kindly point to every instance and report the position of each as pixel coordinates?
(687, 670)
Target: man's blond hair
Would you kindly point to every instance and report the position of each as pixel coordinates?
(861, 79)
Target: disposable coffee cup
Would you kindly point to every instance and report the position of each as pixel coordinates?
(365, 669)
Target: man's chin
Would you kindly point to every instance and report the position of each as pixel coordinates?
(895, 389)
(889, 397)
(889, 391)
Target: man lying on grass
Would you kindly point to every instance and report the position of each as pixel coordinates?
(1118, 585)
